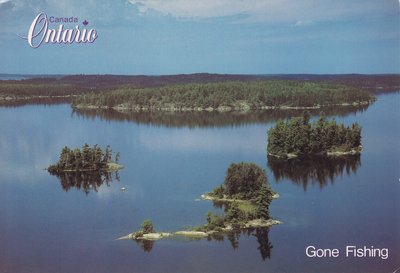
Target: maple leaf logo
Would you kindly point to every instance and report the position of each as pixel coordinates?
(85, 23)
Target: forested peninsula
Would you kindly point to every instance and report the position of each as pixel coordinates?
(88, 159)
(298, 136)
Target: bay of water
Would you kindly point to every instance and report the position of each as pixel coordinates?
(45, 227)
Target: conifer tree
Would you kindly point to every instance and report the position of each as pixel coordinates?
(263, 201)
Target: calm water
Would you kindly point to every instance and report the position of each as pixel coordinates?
(329, 204)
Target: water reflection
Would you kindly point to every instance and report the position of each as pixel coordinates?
(261, 234)
(313, 170)
(145, 245)
(86, 181)
(34, 101)
(207, 119)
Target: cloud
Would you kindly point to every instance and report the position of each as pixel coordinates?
(303, 23)
(293, 11)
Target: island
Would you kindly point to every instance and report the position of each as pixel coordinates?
(89, 159)
(245, 196)
(297, 136)
(226, 96)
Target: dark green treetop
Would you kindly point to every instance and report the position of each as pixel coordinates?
(298, 136)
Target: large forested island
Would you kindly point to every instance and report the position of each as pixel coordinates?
(86, 160)
(226, 96)
(297, 136)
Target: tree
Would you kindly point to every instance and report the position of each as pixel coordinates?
(147, 226)
(356, 135)
(86, 156)
(107, 155)
(263, 201)
(64, 157)
(208, 217)
(233, 212)
(78, 159)
(243, 180)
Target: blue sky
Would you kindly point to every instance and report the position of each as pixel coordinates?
(216, 36)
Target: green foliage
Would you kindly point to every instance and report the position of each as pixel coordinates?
(147, 226)
(218, 192)
(87, 159)
(214, 221)
(234, 214)
(298, 136)
(247, 183)
(96, 84)
(236, 95)
(244, 180)
(263, 201)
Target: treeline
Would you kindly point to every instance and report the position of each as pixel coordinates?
(371, 83)
(50, 86)
(41, 86)
(231, 95)
(297, 136)
(87, 159)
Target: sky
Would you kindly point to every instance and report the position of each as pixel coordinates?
(154, 37)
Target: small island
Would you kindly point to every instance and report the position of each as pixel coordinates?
(88, 159)
(245, 196)
(298, 137)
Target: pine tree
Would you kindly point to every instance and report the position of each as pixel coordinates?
(263, 201)
(147, 226)
(86, 156)
(233, 212)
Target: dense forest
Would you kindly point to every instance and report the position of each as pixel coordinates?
(73, 85)
(87, 159)
(226, 96)
(297, 136)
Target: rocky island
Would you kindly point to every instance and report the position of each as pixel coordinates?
(245, 197)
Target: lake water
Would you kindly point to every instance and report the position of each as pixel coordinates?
(47, 226)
